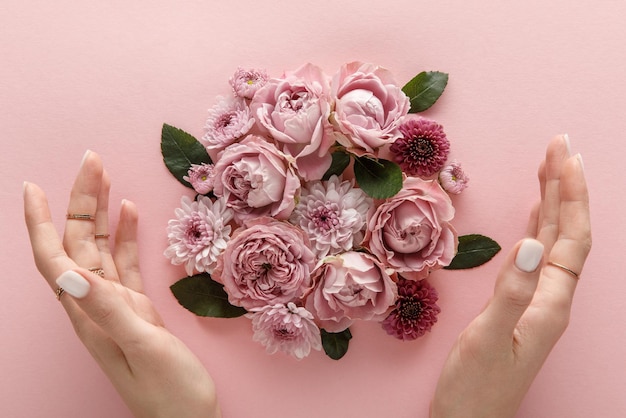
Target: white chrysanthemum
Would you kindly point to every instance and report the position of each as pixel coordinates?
(333, 214)
(199, 233)
(229, 120)
(289, 329)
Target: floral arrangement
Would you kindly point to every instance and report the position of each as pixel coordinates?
(319, 201)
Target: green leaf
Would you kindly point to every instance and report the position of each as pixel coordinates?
(341, 159)
(180, 150)
(336, 343)
(474, 250)
(380, 178)
(424, 89)
(205, 297)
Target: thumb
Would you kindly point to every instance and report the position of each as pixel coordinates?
(105, 305)
(515, 288)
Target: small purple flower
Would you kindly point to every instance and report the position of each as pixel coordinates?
(289, 329)
(415, 310)
(229, 120)
(423, 149)
(199, 234)
(333, 214)
(453, 179)
(246, 82)
(201, 177)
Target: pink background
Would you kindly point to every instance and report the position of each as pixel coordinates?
(106, 75)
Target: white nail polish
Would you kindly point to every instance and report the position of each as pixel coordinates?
(567, 144)
(85, 157)
(74, 284)
(529, 255)
(580, 160)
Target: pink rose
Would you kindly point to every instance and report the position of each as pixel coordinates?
(368, 107)
(350, 286)
(266, 262)
(411, 232)
(256, 179)
(294, 110)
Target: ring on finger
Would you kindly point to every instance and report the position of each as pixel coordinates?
(59, 292)
(97, 270)
(80, 216)
(565, 269)
(101, 235)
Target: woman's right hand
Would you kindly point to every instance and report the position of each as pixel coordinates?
(496, 358)
(154, 372)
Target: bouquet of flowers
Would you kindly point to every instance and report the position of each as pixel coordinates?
(319, 201)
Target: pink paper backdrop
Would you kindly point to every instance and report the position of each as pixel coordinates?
(106, 75)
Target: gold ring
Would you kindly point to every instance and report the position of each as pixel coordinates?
(97, 270)
(101, 235)
(80, 216)
(565, 269)
(59, 292)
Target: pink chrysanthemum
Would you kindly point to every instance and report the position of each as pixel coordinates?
(201, 177)
(246, 82)
(289, 329)
(415, 310)
(333, 214)
(229, 120)
(199, 234)
(453, 179)
(423, 149)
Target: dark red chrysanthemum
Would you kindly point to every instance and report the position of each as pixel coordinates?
(423, 149)
(415, 310)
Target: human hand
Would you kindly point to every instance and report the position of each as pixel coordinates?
(154, 372)
(496, 358)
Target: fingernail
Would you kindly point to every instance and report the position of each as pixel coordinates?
(567, 144)
(74, 284)
(85, 157)
(580, 160)
(24, 187)
(529, 255)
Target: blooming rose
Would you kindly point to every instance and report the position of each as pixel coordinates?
(256, 179)
(267, 262)
(294, 110)
(368, 107)
(411, 232)
(350, 286)
(290, 329)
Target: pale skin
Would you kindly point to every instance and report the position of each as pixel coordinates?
(487, 374)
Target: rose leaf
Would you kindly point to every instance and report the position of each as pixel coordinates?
(180, 150)
(205, 297)
(380, 178)
(474, 250)
(336, 343)
(341, 160)
(425, 89)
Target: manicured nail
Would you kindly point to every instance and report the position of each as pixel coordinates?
(85, 157)
(74, 284)
(24, 187)
(567, 144)
(529, 255)
(580, 160)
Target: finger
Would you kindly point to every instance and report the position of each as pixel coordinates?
(533, 221)
(102, 229)
(557, 286)
(556, 154)
(126, 253)
(78, 239)
(514, 290)
(105, 305)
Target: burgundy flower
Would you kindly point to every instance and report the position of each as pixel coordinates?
(423, 149)
(415, 310)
